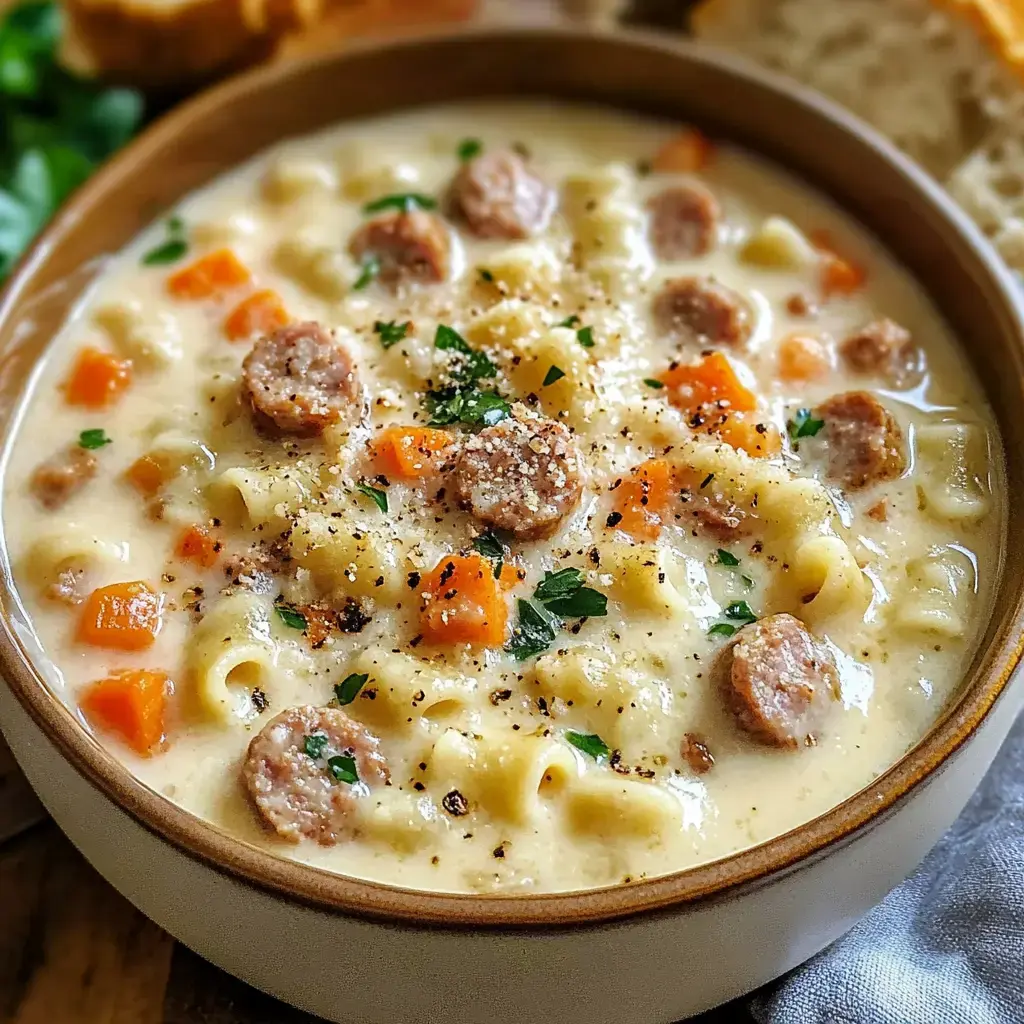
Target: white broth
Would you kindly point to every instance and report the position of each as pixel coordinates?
(601, 503)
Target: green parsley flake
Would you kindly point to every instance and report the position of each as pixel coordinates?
(290, 617)
(588, 743)
(379, 497)
(740, 611)
(486, 275)
(535, 632)
(390, 333)
(369, 269)
(343, 769)
(348, 689)
(585, 336)
(171, 250)
(315, 745)
(569, 321)
(469, 148)
(491, 546)
(727, 558)
(403, 201)
(556, 373)
(477, 364)
(803, 425)
(652, 382)
(721, 629)
(91, 439)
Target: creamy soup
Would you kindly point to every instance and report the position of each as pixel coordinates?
(505, 497)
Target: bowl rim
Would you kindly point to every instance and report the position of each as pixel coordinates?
(727, 876)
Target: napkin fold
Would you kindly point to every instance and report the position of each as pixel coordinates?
(946, 946)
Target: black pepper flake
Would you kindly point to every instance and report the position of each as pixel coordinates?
(352, 618)
(413, 580)
(260, 701)
(497, 696)
(499, 851)
(455, 804)
(614, 518)
(418, 786)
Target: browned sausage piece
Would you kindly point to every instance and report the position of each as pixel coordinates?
(865, 443)
(497, 196)
(700, 311)
(410, 246)
(523, 475)
(778, 679)
(696, 753)
(302, 379)
(296, 792)
(885, 349)
(63, 475)
(684, 221)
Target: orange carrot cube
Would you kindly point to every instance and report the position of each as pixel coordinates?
(97, 379)
(208, 277)
(132, 704)
(121, 617)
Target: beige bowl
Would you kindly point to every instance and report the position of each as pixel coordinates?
(651, 950)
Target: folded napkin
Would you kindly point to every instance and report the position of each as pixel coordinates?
(947, 946)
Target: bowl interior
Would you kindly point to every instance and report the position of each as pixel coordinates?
(827, 148)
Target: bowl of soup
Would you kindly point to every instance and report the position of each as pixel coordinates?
(539, 536)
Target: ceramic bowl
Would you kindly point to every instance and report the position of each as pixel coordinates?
(653, 950)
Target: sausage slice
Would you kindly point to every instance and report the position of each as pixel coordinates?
(497, 196)
(410, 246)
(865, 443)
(684, 221)
(63, 475)
(296, 793)
(778, 679)
(700, 311)
(885, 349)
(302, 379)
(523, 475)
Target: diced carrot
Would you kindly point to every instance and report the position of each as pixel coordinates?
(711, 379)
(122, 617)
(407, 453)
(839, 276)
(97, 379)
(147, 474)
(464, 603)
(802, 358)
(131, 703)
(261, 313)
(750, 434)
(643, 499)
(686, 152)
(215, 273)
(197, 544)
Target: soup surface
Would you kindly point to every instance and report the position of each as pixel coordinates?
(505, 497)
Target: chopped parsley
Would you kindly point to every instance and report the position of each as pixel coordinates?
(172, 249)
(486, 275)
(91, 439)
(556, 373)
(315, 745)
(803, 424)
(653, 382)
(343, 768)
(534, 633)
(469, 148)
(290, 617)
(569, 321)
(379, 497)
(558, 595)
(390, 333)
(585, 336)
(404, 201)
(490, 545)
(589, 743)
(464, 402)
(727, 558)
(368, 271)
(348, 689)
(477, 364)
(721, 629)
(559, 584)
(740, 611)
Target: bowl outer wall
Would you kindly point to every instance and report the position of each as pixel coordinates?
(807, 135)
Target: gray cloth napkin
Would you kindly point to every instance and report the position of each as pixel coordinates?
(947, 946)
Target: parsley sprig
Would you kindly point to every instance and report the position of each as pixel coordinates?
(589, 743)
(464, 401)
(559, 595)
(491, 546)
(737, 611)
(348, 689)
(172, 248)
(391, 332)
(803, 424)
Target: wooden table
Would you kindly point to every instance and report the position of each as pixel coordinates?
(74, 951)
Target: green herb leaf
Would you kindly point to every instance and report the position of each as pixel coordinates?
(554, 374)
(315, 745)
(740, 611)
(379, 497)
(343, 769)
(585, 603)
(369, 269)
(290, 617)
(486, 275)
(535, 632)
(477, 364)
(469, 148)
(489, 545)
(171, 250)
(803, 424)
(747, 582)
(559, 584)
(589, 743)
(585, 336)
(391, 333)
(91, 439)
(466, 405)
(348, 689)
(651, 382)
(569, 321)
(721, 629)
(726, 558)
(404, 201)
